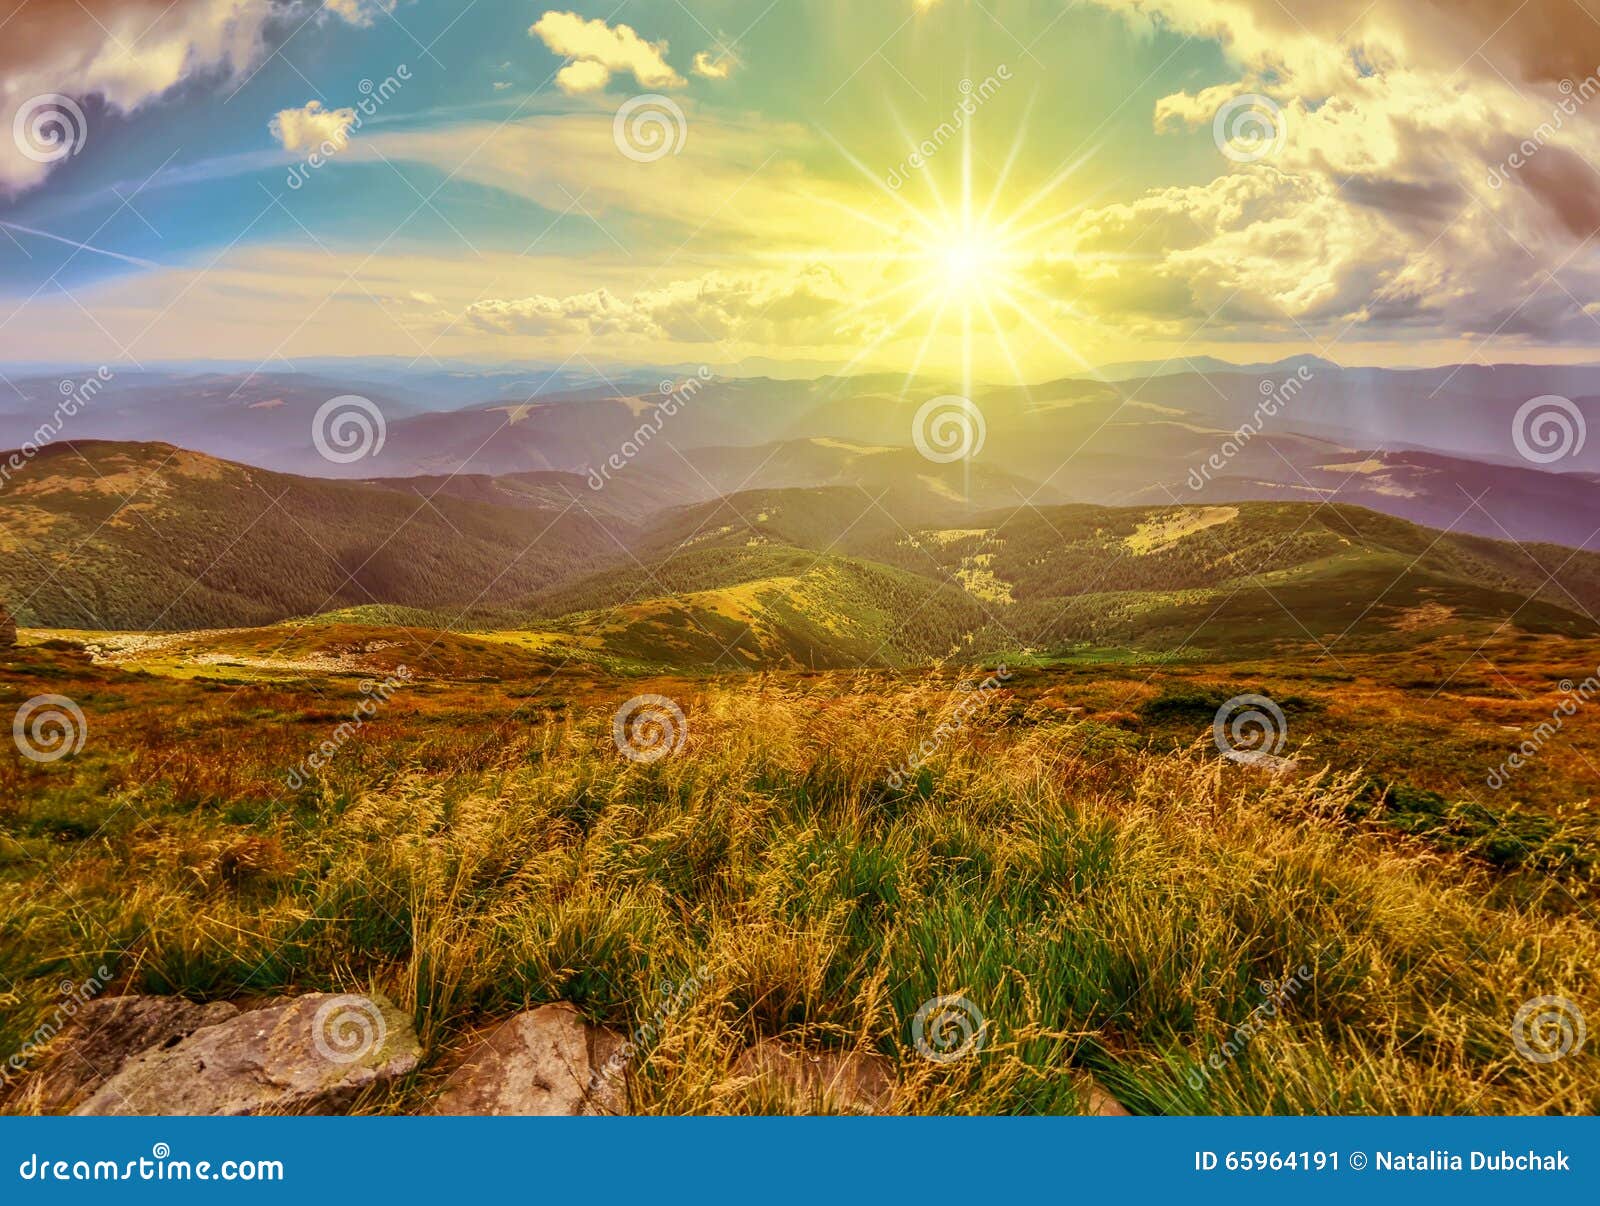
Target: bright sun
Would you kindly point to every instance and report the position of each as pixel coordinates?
(966, 259)
(968, 275)
(960, 273)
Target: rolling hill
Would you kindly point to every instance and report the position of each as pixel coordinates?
(814, 612)
(107, 535)
(1222, 576)
(145, 536)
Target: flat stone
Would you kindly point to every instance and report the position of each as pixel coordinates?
(547, 1062)
(1100, 1103)
(819, 1082)
(307, 1055)
(1264, 763)
(104, 1034)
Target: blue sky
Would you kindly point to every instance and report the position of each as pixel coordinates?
(487, 210)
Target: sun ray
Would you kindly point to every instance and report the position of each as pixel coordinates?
(1048, 187)
(1017, 143)
(1055, 341)
(922, 351)
(878, 299)
(927, 178)
(911, 210)
(1045, 225)
(874, 345)
(1005, 345)
(860, 216)
(962, 269)
(966, 174)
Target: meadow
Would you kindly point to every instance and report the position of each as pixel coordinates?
(1074, 861)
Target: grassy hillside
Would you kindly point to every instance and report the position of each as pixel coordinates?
(1054, 552)
(822, 612)
(1158, 578)
(101, 535)
(1101, 905)
(1223, 576)
(631, 498)
(105, 536)
(826, 518)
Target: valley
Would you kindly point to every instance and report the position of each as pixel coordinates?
(113, 536)
(823, 727)
(921, 558)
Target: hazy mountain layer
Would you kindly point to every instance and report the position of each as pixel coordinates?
(135, 536)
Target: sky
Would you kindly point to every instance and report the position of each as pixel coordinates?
(1013, 190)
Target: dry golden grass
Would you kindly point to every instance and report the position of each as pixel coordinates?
(1105, 908)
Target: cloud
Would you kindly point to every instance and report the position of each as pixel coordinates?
(127, 53)
(311, 126)
(1540, 41)
(805, 306)
(761, 198)
(599, 50)
(583, 76)
(598, 312)
(1386, 210)
(358, 12)
(714, 67)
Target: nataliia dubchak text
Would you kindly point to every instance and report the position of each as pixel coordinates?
(1446, 1161)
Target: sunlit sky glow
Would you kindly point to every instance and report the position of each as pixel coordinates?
(1011, 190)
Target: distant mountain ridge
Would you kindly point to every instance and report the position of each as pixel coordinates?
(1436, 446)
(1139, 370)
(142, 536)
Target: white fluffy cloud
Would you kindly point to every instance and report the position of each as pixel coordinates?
(358, 12)
(728, 168)
(311, 125)
(711, 66)
(128, 53)
(598, 51)
(1539, 41)
(806, 306)
(582, 76)
(1388, 205)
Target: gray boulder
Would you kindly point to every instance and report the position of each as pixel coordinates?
(104, 1034)
(1271, 766)
(312, 1054)
(545, 1062)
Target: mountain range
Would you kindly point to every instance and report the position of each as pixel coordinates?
(884, 566)
(1435, 446)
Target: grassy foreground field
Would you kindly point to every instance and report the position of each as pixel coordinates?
(1073, 860)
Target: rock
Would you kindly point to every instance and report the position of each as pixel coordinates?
(104, 1034)
(1264, 763)
(547, 1062)
(818, 1082)
(310, 1054)
(8, 629)
(1099, 1102)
